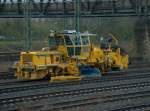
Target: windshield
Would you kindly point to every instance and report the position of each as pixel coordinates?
(75, 39)
(72, 39)
(85, 40)
(68, 40)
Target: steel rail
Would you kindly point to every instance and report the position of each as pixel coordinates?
(81, 92)
(103, 100)
(42, 84)
(111, 73)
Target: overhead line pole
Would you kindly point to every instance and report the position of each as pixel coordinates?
(27, 23)
(65, 11)
(77, 15)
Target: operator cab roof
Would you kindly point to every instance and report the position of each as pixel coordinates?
(70, 32)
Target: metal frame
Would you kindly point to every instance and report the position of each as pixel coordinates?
(89, 8)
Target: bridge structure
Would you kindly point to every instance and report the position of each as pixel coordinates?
(66, 8)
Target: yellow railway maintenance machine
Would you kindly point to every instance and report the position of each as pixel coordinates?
(81, 49)
(39, 65)
(70, 56)
(115, 55)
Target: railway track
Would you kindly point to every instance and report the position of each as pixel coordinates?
(9, 56)
(139, 65)
(128, 71)
(116, 87)
(142, 107)
(6, 75)
(9, 102)
(31, 85)
(132, 68)
(10, 75)
(95, 101)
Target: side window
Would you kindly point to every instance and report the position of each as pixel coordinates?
(70, 51)
(85, 40)
(75, 39)
(68, 41)
(77, 50)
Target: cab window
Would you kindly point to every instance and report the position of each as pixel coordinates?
(68, 41)
(75, 39)
(85, 40)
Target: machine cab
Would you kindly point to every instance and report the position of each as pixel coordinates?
(72, 43)
(77, 44)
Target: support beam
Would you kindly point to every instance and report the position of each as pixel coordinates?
(41, 6)
(19, 5)
(95, 8)
(2, 5)
(48, 4)
(35, 6)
